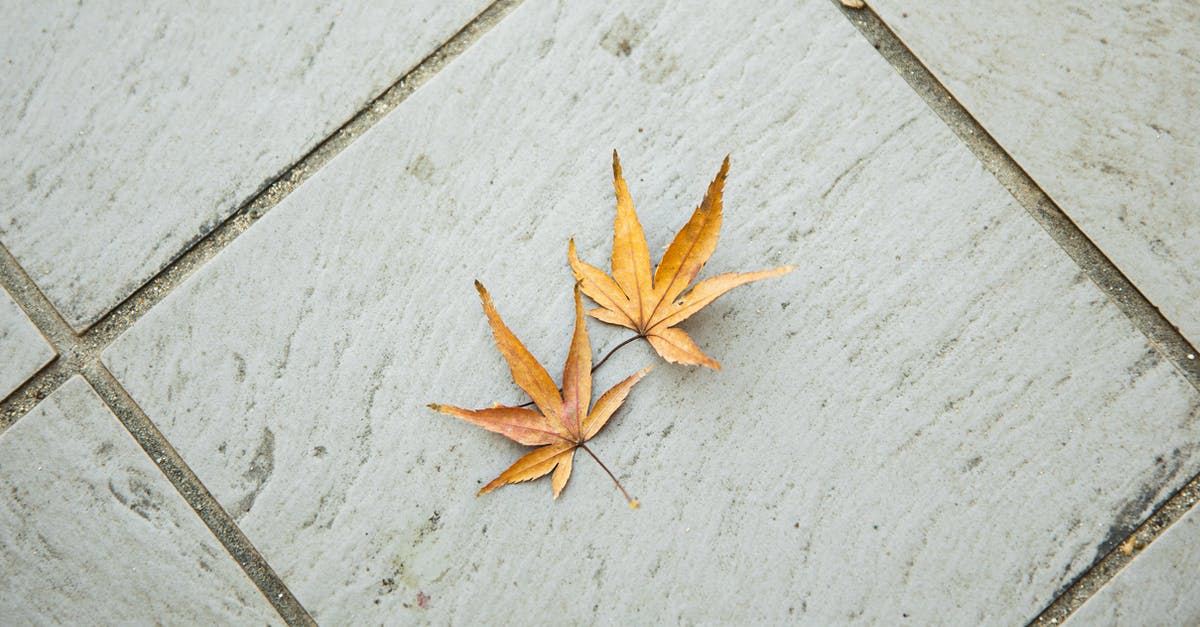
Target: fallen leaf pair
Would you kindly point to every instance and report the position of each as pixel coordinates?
(632, 297)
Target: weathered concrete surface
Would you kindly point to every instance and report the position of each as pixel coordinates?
(22, 348)
(92, 533)
(937, 406)
(127, 135)
(1097, 101)
(1159, 587)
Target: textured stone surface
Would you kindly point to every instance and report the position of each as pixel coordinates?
(91, 532)
(1159, 587)
(127, 135)
(1097, 101)
(936, 406)
(22, 348)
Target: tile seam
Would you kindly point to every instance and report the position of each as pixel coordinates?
(80, 353)
(91, 342)
(124, 315)
(54, 329)
(202, 502)
(73, 359)
(1165, 337)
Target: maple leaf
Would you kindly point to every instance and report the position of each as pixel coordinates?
(562, 422)
(649, 303)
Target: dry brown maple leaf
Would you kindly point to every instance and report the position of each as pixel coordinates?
(650, 304)
(563, 423)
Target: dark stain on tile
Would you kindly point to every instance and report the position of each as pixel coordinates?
(239, 366)
(421, 168)
(622, 37)
(139, 497)
(261, 467)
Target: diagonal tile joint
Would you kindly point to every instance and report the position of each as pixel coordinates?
(76, 350)
(80, 353)
(1144, 315)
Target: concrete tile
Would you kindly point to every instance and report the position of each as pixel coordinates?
(91, 532)
(1159, 587)
(127, 135)
(1096, 100)
(936, 406)
(23, 348)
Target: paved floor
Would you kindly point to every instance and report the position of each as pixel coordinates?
(248, 241)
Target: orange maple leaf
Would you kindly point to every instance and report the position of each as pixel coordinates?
(650, 304)
(563, 423)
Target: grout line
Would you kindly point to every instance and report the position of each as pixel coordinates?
(1086, 585)
(197, 496)
(34, 303)
(82, 348)
(75, 358)
(81, 353)
(1164, 336)
(37, 387)
(53, 328)
(117, 321)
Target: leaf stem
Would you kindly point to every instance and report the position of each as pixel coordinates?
(633, 503)
(601, 362)
(614, 350)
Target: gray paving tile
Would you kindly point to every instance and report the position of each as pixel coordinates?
(936, 406)
(127, 135)
(1159, 587)
(22, 346)
(91, 532)
(1096, 100)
